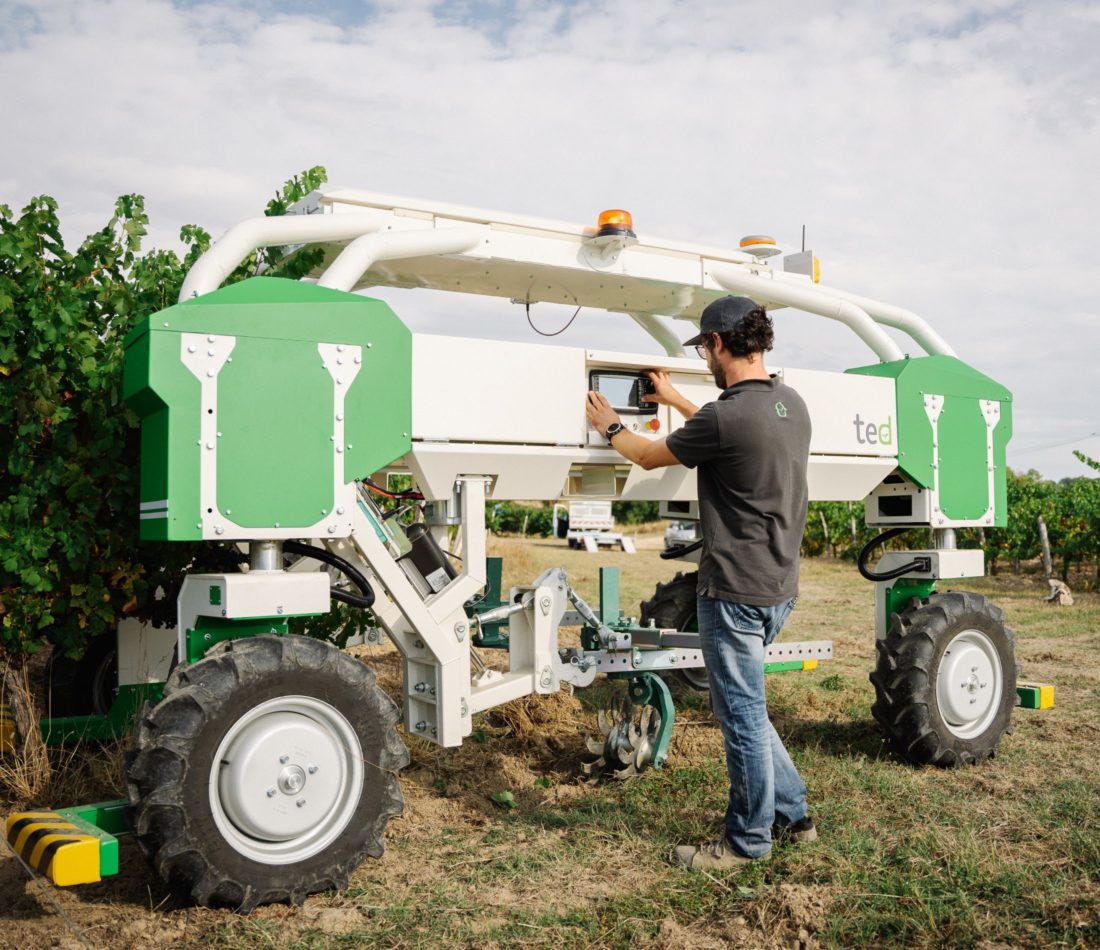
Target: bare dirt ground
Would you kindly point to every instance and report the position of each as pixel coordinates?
(579, 864)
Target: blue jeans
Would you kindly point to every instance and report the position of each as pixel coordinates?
(765, 787)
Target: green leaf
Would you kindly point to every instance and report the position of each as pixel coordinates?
(503, 799)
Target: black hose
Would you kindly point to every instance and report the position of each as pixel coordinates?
(669, 553)
(345, 567)
(917, 564)
(353, 599)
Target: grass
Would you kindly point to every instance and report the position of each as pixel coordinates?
(1003, 854)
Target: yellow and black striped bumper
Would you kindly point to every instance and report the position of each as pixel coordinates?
(63, 848)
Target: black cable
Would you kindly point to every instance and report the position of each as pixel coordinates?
(527, 304)
(397, 512)
(345, 567)
(669, 553)
(353, 599)
(917, 564)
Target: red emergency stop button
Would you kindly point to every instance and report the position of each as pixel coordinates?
(653, 425)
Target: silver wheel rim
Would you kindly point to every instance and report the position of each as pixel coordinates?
(286, 779)
(969, 684)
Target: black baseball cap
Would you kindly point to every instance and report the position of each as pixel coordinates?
(722, 316)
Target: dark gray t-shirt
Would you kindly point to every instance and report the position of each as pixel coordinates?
(751, 447)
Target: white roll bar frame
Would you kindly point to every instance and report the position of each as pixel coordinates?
(369, 244)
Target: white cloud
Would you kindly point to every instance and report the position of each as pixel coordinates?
(942, 155)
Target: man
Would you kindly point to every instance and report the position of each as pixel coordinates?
(750, 447)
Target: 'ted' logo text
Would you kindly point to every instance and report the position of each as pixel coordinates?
(870, 433)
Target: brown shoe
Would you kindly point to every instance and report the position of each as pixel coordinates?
(801, 831)
(714, 855)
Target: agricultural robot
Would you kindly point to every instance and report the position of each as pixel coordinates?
(273, 414)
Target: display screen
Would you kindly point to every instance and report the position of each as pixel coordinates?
(621, 390)
(618, 390)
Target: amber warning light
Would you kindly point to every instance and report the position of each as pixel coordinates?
(615, 222)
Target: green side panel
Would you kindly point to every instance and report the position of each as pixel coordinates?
(274, 401)
(964, 481)
(119, 722)
(256, 487)
(213, 630)
(960, 384)
(167, 396)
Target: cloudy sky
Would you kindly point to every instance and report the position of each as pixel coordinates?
(943, 156)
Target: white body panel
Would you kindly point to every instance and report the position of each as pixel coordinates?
(515, 412)
(469, 390)
(848, 412)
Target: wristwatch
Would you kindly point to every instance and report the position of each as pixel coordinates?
(613, 430)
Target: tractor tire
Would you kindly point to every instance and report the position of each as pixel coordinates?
(267, 773)
(84, 687)
(945, 682)
(672, 606)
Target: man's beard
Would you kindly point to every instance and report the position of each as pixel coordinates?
(717, 372)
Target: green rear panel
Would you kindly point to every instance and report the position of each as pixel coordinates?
(275, 404)
(964, 474)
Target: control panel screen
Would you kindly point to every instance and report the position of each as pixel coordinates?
(624, 391)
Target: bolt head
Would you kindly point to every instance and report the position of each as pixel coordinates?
(312, 770)
(301, 803)
(271, 793)
(283, 759)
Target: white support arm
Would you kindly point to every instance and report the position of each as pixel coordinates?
(362, 253)
(770, 290)
(899, 318)
(210, 270)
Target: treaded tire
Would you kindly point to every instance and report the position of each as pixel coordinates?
(170, 776)
(907, 678)
(673, 606)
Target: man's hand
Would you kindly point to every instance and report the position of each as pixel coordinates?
(665, 394)
(668, 395)
(599, 412)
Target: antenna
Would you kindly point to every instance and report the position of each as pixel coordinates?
(803, 237)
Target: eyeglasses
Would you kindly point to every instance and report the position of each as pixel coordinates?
(702, 351)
